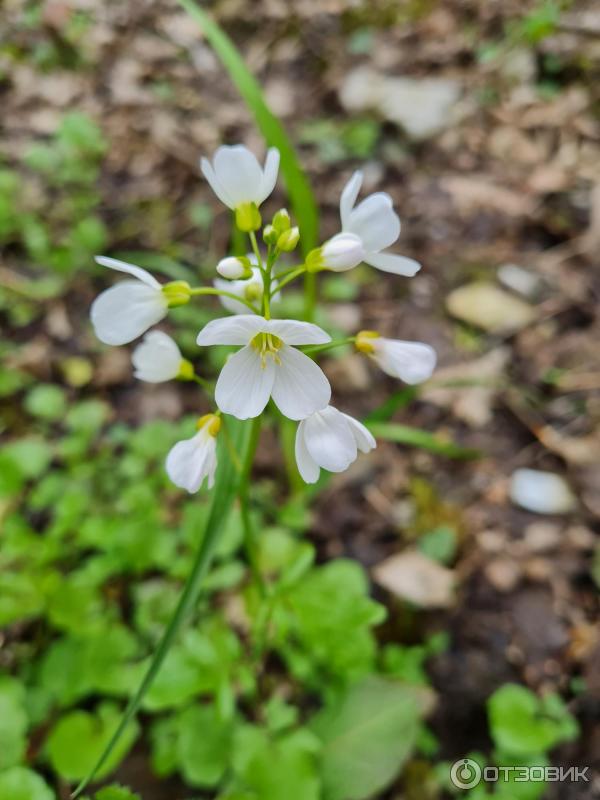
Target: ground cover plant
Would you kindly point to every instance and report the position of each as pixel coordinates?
(212, 582)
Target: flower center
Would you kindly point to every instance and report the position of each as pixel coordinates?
(364, 342)
(267, 345)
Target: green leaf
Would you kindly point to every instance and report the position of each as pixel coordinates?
(13, 722)
(203, 746)
(19, 783)
(522, 724)
(77, 740)
(302, 198)
(439, 544)
(416, 437)
(367, 735)
(116, 793)
(46, 401)
(276, 769)
(222, 500)
(31, 456)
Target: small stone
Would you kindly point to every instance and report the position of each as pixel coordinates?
(488, 307)
(541, 537)
(492, 541)
(519, 280)
(538, 569)
(541, 492)
(580, 537)
(503, 573)
(416, 578)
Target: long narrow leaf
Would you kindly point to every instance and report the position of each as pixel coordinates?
(301, 195)
(224, 492)
(416, 437)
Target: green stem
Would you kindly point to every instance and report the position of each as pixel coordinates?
(291, 277)
(201, 382)
(222, 293)
(256, 250)
(224, 494)
(250, 542)
(320, 348)
(287, 429)
(310, 296)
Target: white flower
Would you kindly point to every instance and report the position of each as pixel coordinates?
(377, 225)
(268, 366)
(190, 461)
(157, 358)
(237, 178)
(250, 289)
(123, 312)
(412, 362)
(329, 439)
(343, 251)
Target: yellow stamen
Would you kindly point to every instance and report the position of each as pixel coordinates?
(267, 344)
(211, 422)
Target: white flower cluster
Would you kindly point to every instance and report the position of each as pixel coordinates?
(268, 363)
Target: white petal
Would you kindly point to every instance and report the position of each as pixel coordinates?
(307, 466)
(269, 178)
(293, 331)
(239, 173)
(157, 358)
(190, 461)
(329, 440)
(215, 184)
(300, 387)
(244, 385)
(231, 330)
(365, 441)
(390, 262)
(125, 311)
(342, 252)
(375, 221)
(412, 362)
(349, 195)
(122, 266)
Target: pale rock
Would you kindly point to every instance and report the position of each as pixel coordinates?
(519, 280)
(423, 107)
(490, 308)
(542, 536)
(503, 573)
(416, 578)
(541, 492)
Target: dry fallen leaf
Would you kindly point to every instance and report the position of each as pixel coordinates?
(414, 577)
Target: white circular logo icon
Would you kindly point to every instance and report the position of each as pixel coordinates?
(465, 773)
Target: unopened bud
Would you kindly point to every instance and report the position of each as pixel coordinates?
(288, 240)
(270, 235)
(178, 293)
(247, 217)
(281, 221)
(233, 268)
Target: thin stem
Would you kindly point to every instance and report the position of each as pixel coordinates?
(256, 250)
(319, 348)
(250, 541)
(220, 292)
(291, 277)
(310, 295)
(201, 382)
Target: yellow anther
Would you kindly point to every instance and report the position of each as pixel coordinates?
(211, 422)
(364, 341)
(267, 344)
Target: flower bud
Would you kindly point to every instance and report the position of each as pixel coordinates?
(288, 240)
(233, 268)
(281, 221)
(247, 217)
(270, 235)
(178, 293)
(344, 251)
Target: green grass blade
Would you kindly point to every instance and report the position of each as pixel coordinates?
(416, 437)
(225, 490)
(394, 402)
(300, 192)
